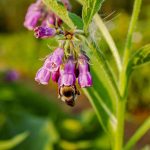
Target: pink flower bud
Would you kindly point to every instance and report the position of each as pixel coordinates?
(44, 32)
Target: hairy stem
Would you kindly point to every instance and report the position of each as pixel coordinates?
(123, 79)
(103, 29)
(135, 14)
(127, 50)
(120, 126)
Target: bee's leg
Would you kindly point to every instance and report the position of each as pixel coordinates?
(77, 91)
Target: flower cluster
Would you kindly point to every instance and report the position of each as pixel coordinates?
(42, 20)
(65, 73)
(68, 64)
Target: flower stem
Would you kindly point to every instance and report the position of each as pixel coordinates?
(103, 29)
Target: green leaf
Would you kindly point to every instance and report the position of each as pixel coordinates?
(82, 2)
(105, 116)
(42, 132)
(90, 8)
(104, 93)
(76, 20)
(60, 10)
(29, 111)
(8, 144)
(139, 58)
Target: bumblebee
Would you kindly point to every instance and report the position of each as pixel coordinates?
(68, 94)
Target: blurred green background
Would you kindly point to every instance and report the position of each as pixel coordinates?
(31, 116)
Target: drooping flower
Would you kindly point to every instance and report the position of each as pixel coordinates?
(67, 63)
(67, 74)
(44, 32)
(55, 60)
(43, 76)
(55, 76)
(48, 20)
(84, 78)
(67, 88)
(33, 15)
(37, 12)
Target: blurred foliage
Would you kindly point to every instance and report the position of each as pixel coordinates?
(8, 144)
(23, 52)
(48, 127)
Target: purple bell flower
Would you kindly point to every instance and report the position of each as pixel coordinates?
(37, 12)
(44, 32)
(59, 52)
(49, 20)
(67, 74)
(55, 60)
(33, 15)
(42, 76)
(84, 78)
(55, 76)
(38, 2)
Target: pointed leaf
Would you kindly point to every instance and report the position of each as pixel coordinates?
(104, 93)
(90, 8)
(139, 58)
(105, 116)
(60, 10)
(76, 20)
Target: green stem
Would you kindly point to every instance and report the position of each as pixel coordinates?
(139, 133)
(118, 139)
(123, 79)
(103, 29)
(120, 127)
(135, 14)
(127, 50)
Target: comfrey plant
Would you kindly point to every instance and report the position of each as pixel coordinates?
(68, 62)
(77, 49)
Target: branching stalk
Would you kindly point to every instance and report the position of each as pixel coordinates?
(128, 44)
(127, 50)
(123, 78)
